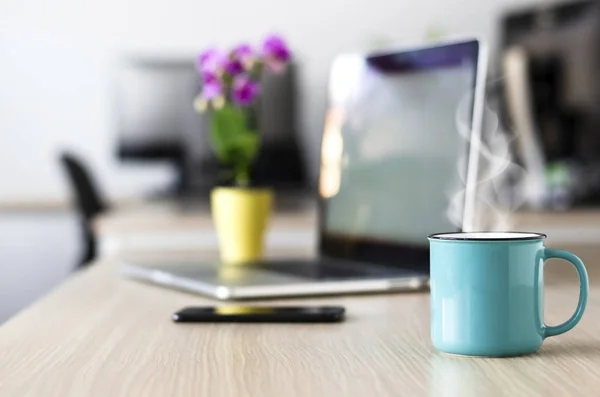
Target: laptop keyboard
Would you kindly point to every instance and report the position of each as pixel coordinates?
(332, 269)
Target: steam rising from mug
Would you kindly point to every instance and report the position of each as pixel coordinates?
(499, 179)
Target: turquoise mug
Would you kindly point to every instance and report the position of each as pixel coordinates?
(487, 293)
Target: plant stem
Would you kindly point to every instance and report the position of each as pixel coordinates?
(242, 177)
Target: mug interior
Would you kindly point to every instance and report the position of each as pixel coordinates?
(488, 236)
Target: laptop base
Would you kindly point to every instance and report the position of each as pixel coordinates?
(272, 279)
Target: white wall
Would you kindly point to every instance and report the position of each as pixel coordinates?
(39, 250)
(56, 57)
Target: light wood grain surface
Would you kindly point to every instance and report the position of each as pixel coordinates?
(169, 215)
(100, 335)
(166, 226)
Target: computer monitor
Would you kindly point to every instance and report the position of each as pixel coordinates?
(400, 131)
(550, 65)
(155, 118)
(156, 121)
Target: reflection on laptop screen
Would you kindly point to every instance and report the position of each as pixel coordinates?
(391, 147)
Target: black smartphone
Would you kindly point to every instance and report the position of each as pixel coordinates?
(260, 314)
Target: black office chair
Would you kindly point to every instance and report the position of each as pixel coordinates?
(88, 202)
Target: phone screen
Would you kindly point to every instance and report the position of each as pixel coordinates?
(260, 314)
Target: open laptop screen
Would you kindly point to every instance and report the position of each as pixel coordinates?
(392, 152)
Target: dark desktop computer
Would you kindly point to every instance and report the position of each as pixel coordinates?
(550, 62)
(156, 121)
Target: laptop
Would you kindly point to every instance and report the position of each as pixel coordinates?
(393, 162)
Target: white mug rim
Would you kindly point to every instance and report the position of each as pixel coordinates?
(487, 236)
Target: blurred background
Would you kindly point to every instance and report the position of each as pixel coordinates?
(95, 107)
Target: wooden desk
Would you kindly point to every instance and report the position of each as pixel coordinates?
(100, 335)
(162, 227)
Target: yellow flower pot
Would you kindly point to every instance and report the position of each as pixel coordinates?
(241, 216)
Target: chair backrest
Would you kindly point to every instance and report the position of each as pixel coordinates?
(87, 198)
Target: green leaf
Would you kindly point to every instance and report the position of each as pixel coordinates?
(233, 142)
(227, 123)
(248, 145)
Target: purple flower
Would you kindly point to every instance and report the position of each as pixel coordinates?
(276, 53)
(210, 77)
(242, 58)
(211, 91)
(244, 53)
(234, 67)
(211, 85)
(244, 90)
(211, 60)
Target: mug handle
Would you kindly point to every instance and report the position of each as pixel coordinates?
(548, 253)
